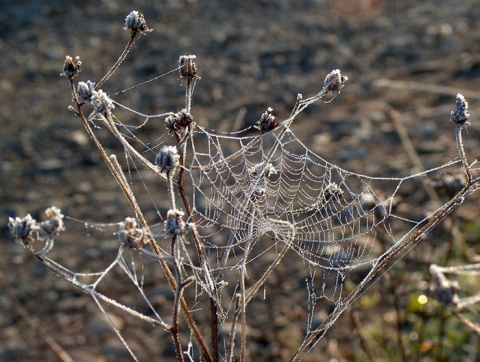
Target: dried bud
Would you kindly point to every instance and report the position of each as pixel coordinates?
(100, 102)
(23, 228)
(267, 121)
(332, 191)
(460, 114)
(85, 90)
(188, 67)
(54, 224)
(174, 225)
(71, 67)
(129, 234)
(135, 22)
(177, 122)
(167, 159)
(334, 81)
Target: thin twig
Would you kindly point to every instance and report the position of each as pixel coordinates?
(171, 279)
(119, 61)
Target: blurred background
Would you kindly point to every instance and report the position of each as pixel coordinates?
(406, 58)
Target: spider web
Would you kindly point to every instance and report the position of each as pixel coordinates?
(262, 202)
(261, 196)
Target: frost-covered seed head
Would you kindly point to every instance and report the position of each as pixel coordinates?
(332, 191)
(177, 122)
(85, 90)
(71, 67)
(54, 223)
(129, 234)
(23, 228)
(334, 81)
(188, 67)
(167, 159)
(135, 22)
(267, 121)
(460, 114)
(101, 102)
(174, 224)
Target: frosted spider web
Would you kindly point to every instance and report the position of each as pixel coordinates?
(266, 198)
(254, 195)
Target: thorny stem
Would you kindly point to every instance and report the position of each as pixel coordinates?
(119, 61)
(171, 279)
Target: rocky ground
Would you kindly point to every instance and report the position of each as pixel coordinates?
(411, 57)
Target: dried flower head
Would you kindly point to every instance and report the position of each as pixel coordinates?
(85, 90)
(54, 223)
(460, 115)
(188, 67)
(334, 81)
(23, 228)
(101, 102)
(71, 67)
(332, 191)
(174, 224)
(177, 122)
(135, 22)
(167, 158)
(267, 121)
(129, 234)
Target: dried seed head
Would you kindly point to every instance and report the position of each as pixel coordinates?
(267, 121)
(101, 102)
(135, 22)
(188, 67)
(174, 224)
(85, 90)
(71, 67)
(54, 224)
(460, 115)
(23, 228)
(177, 122)
(334, 81)
(129, 234)
(332, 191)
(167, 159)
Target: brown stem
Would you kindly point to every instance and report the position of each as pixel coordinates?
(119, 61)
(171, 279)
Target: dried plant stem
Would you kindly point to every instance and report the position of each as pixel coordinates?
(119, 61)
(182, 148)
(233, 329)
(186, 311)
(472, 326)
(461, 150)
